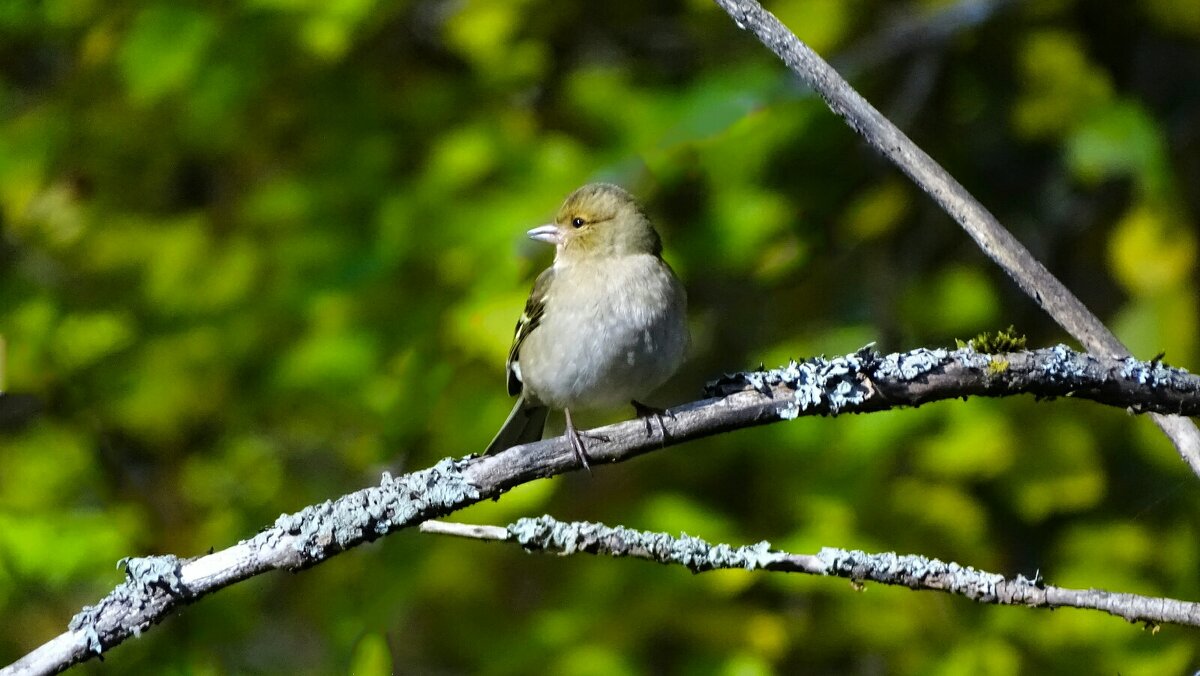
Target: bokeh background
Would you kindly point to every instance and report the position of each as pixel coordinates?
(255, 252)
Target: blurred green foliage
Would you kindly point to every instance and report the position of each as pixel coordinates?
(253, 253)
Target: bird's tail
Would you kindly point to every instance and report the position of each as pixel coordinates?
(524, 425)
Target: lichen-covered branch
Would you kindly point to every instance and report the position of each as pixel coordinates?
(866, 381)
(915, 572)
(1033, 278)
(156, 586)
(860, 382)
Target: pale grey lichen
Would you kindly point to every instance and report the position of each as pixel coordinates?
(834, 384)
(1135, 370)
(147, 577)
(331, 526)
(1153, 373)
(87, 619)
(155, 571)
(791, 410)
(1065, 364)
(969, 358)
(550, 534)
(910, 365)
(910, 570)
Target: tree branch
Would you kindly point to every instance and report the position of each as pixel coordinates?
(1031, 276)
(861, 382)
(547, 534)
(865, 381)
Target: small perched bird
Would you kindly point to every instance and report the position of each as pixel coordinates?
(604, 325)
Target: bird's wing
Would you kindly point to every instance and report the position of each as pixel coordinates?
(535, 307)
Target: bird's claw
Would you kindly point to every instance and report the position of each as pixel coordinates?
(580, 451)
(577, 445)
(649, 413)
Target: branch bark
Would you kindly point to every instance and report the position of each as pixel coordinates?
(547, 534)
(861, 382)
(1030, 275)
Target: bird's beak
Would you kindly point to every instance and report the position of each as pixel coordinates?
(548, 233)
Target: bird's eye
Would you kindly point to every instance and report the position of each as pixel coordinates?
(577, 222)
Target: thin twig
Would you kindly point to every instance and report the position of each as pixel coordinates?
(464, 530)
(1033, 278)
(919, 573)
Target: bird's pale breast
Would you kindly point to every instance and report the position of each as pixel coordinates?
(600, 350)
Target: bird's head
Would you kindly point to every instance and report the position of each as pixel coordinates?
(596, 221)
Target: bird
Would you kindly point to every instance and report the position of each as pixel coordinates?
(605, 324)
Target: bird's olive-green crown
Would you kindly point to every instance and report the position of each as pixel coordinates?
(602, 219)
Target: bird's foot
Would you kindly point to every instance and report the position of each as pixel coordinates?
(649, 413)
(576, 438)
